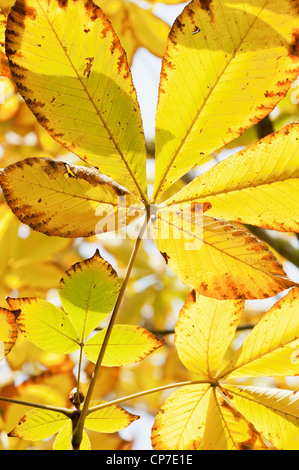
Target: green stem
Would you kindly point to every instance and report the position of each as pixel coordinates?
(146, 392)
(78, 432)
(65, 411)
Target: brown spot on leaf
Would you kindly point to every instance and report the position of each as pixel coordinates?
(93, 10)
(294, 46)
(24, 11)
(179, 25)
(192, 296)
(205, 4)
(165, 256)
(88, 67)
(122, 61)
(62, 3)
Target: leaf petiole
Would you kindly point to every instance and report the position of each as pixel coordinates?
(146, 392)
(78, 431)
(65, 411)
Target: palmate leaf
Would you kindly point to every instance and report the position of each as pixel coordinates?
(196, 417)
(88, 292)
(8, 331)
(226, 66)
(214, 415)
(70, 68)
(65, 200)
(257, 186)
(221, 266)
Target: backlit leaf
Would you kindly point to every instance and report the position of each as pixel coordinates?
(72, 71)
(272, 348)
(213, 415)
(226, 66)
(227, 429)
(88, 293)
(257, 186)
(150, 30)
(181, 423)
(4, 67)
(8, 331)
(109, 419)
(216, 258)
(204, 330)
(63, 439)
(136, 26)
(127, 344)
(274, 412)
(39, 424)
(64, 200)
(45, 325)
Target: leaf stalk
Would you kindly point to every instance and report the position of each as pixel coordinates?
(78, 431)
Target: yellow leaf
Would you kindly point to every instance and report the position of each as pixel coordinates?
(227, 429)
(5, 5)
(181, 422)
(39, 424)
(117, 12)
(272, 348)
(45, 325)
(8, 332)
(109, 419)
(150, 30)
(4, 66)
(46, 388)
(64, 200)
(226, 66)
(257, 186)
(274, 412)
(88, 292)
(216, 258)
(9, 99)
(204, 331)
(63, 439)
(127, 344)
(72, 71)
(213, 415)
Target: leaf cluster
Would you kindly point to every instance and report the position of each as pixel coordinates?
(225, 67)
